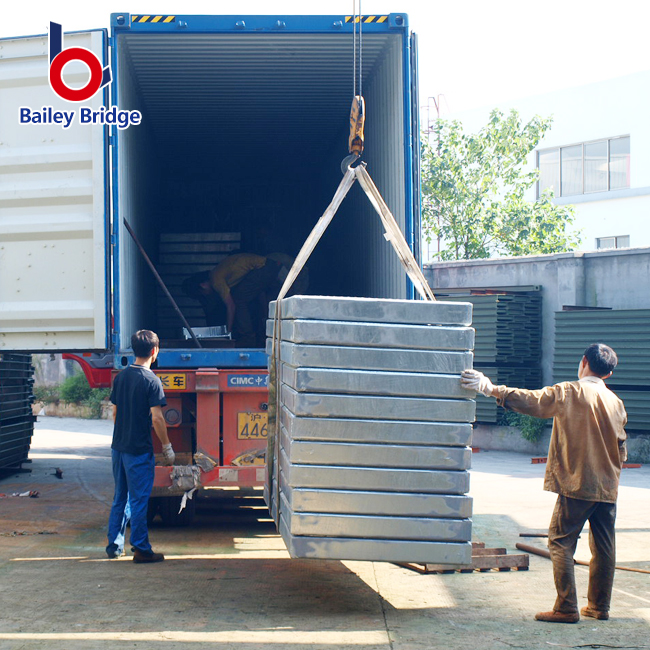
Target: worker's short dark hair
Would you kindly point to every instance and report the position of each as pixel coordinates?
(143, 341)
(192, 285)
(601, 359)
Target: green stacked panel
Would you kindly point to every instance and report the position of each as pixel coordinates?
(16, 419)
(508, 329)
(486, 408)
(625, 330)
(508, 344)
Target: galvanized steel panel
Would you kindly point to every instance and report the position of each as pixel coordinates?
(331, 471)
(380, 408)
(330, 356)
(366, 382)
(401, 432)
(52, 204)
(378, 503)
(374, 550)
(374, 479)
(373, 455)
(364, 526)
(414, 312)
(324, 332)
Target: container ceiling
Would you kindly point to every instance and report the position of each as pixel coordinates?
(271, 94)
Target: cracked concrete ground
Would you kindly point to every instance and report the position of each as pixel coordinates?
(228, 583)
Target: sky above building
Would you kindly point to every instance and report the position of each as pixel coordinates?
(472, 53)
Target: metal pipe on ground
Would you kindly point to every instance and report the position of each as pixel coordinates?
(543, 553)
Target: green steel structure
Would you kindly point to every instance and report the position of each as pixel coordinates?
(508, 346)
(625, 330)
(16, 419)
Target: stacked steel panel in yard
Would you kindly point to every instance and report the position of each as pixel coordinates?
(16, 419)
(508, 347)
(625, 330)
(371, 454)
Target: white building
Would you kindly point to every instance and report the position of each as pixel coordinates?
(596, 156)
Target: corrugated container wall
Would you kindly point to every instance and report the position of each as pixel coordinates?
(139, 190)
(53, 266)
(243, 132)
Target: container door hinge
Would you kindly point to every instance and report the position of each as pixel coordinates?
(112, 140)
(111, 41)
(113, 240)
(115, 339)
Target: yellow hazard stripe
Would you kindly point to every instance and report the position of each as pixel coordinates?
(366, 19)
(153, 19)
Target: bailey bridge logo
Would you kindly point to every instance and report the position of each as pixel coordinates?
(99, 78)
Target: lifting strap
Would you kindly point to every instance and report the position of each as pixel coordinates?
(392, 234)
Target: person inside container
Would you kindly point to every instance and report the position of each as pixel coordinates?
(585, 456)
(237, 291)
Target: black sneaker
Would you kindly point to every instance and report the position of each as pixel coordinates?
(146, 557)
(112, 551)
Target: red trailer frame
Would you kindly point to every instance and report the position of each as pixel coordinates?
(221, 414)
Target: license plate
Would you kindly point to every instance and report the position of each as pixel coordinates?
(173, 381)
(252, 426)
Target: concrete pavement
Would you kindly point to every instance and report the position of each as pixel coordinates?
(228, 582)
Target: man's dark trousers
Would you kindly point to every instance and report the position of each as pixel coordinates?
(244, 294)
(134, 475)
(567, 522)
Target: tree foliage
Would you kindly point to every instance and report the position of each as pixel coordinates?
(473, 189)
(75, 389)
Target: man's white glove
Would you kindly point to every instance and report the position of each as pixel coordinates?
(477, 381)
(168, 453)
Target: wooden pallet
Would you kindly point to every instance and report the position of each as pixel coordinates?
(483, 559)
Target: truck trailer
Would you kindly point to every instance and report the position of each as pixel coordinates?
(243, 123)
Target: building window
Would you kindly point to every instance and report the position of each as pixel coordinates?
(585, 168)
(613, 242)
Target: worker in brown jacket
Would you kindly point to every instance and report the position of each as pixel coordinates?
(585, 457)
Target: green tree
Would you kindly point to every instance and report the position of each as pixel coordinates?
(473, 188)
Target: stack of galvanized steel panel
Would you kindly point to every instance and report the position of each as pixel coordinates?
(625, 330)
(372, 455)
(179, 256)
(508, 346)
(16, 419)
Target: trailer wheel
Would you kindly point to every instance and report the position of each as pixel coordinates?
(152, 509)
(169, 507)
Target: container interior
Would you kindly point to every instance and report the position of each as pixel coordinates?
(239, 150)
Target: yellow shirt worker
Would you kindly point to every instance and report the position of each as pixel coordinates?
(232, 270)
(242, 283)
